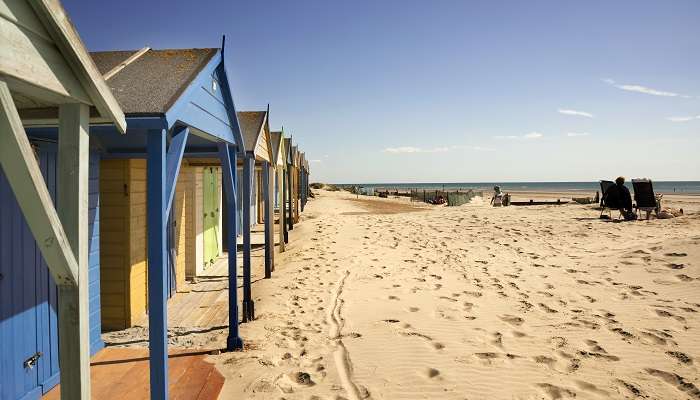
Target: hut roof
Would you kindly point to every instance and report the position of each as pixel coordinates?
(251, 123)
(277, 144)
(151, 82)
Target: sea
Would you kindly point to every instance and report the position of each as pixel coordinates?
(682, 187)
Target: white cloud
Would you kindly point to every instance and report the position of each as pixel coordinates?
(533, 135)
(527, 136)
(683, 119)
(315, 161)
(443, 149)
(410, 149)
(645, 90)
(575, 112)
(576, 134)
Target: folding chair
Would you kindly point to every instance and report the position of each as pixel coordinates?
(644, 196)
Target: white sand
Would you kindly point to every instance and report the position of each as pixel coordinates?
(474, 302)
(378, 298)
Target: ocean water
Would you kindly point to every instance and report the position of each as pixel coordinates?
(687, 187)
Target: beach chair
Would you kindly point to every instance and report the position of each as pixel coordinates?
(604, 204)
(645, 197)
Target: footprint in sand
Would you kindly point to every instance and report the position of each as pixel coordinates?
(556, 392)
(676, 381)
(512, 319)
(413, 309)
(682, 357)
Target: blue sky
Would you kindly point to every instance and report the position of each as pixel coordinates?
(449, 91)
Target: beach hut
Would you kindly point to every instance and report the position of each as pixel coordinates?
(280, 164)
(289, 148)
(295, 184)
(177, 104)
(256, 198)
(49, 267)
(303, 167)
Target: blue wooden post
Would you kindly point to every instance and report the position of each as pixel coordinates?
(157, 307)
(228, 165)
(248, 305)
(290, 179)
(283, 208)
(269, 244)
(303, 189)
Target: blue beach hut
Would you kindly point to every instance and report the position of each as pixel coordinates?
(178, 104)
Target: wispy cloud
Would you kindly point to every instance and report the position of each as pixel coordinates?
(533, 135)
(577, 134)
(315, 161)
(575, 112)
(644, 89)
(527, 136)
(444, 149)
(683, 119)
(410, 149)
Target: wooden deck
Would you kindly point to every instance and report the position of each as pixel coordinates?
(122, 373)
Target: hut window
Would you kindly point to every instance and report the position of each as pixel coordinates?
(213, 85)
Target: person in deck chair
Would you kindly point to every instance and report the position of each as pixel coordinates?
(619, 196)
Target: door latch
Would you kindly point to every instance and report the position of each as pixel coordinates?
(31, 361)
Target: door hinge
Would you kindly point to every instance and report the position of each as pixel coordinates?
(31, 361)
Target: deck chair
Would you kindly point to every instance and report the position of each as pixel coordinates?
(644, 196)
(604, 204)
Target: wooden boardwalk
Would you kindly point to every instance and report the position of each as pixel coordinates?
(122, 373)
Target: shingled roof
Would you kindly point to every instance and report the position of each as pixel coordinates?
(276, 138)
(151, 83)
(251, 123)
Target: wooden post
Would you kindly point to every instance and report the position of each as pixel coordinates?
(269, 245)
(280, 202)
(72, 199)
(248, 305)
(290, 184)
(157, 264)
(228, 174)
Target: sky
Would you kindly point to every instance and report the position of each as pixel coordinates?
(448, 90)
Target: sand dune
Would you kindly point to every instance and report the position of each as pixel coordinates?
(384, 300)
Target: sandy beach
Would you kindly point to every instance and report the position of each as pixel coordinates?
(384, 299)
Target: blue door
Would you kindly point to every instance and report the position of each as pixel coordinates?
(28, 294)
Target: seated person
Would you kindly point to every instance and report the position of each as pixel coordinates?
(619, 197)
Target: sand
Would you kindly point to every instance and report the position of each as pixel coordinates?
(384, 299)
(378, 298)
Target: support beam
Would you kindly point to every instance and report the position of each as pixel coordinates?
(269, 246)
(173, 163)
(157, 264)
(290, 184)
(73, 301)
(280, 202)
(227, 156)
(22, 171)
(248, 169)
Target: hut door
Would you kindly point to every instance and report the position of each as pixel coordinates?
(211, 216)
(28, 299)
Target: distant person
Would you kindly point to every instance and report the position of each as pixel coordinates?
(497, 199)
(618, 196)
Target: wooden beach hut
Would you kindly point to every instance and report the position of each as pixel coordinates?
(280, 164)
(178, 105)
(255, 195)
(288, 206)
(49, 241)
(296, 184)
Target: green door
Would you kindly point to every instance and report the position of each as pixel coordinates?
(211, 216)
